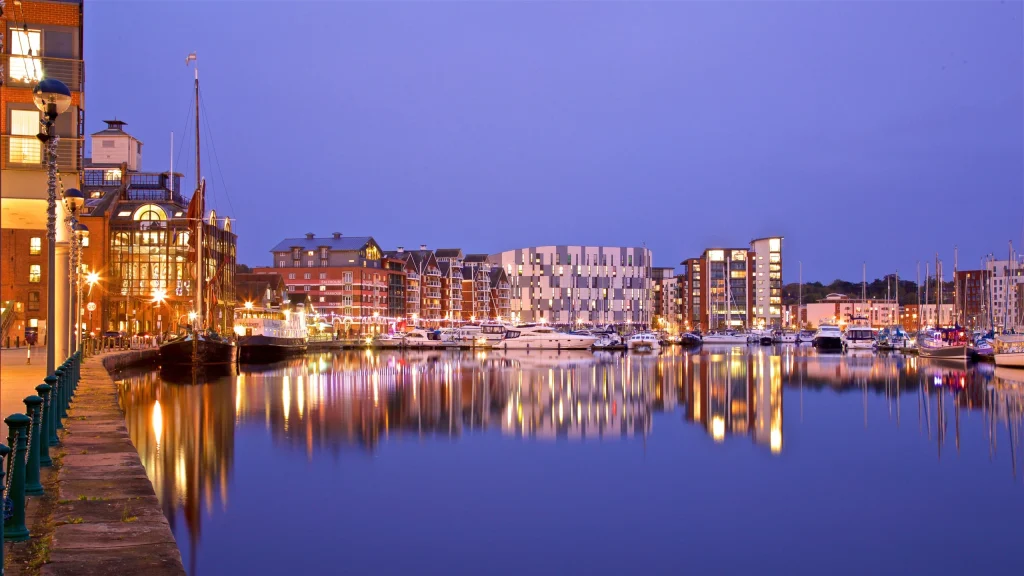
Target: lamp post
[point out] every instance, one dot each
(92, 278)
(78, 231)
(52, 98)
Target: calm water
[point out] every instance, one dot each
(723, 461)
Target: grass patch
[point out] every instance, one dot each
(128, 515)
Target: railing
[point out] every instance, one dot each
(150, 195)
(30, 436)
(102, 177)
(27, 71)
(28, 153)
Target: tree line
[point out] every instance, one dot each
(878, 289)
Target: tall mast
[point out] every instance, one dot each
(938, 292)
(897, 297)
(920, 311)
(200, 245)
(800, 295)
(926, 290)
(956, 287)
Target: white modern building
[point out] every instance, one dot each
(579, 285)
(1006, 286)
(767, 281)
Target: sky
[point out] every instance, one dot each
(870, 131)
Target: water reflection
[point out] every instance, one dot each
(327, 404)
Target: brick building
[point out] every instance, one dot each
(449, 260)
(690, 294)
(665, 298)
(40, 39)
(720, 289)
(345, 278)
(973, 305)
(476, 288)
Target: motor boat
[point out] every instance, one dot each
(690, 339)
(269, 334)
(643, 342)
(196, 348)
(725, 337)
(893, 338)
(386, 340)
(828, 337)
(766, 337)
(1009, 350)
(420, 338)
(859, 335)
(784, 337)
(805, 337)
(609, 341)
(543, 337)
(948, 343)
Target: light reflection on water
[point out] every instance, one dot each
(327, 405)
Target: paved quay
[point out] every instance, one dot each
(18, 379)
(106, 519)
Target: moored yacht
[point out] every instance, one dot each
(269, 334)
(420, 338)
(643, 342)
(1009, 350)
(828, 337)
(950, 343)
(859, 335)
(725, 337)
(543, 337)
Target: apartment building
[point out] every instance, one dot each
(571, 285)
(476, 288)
(767, 271)
(665, 299)
(38, 40)
(450, 261)
(1006, 292)
(345, 278)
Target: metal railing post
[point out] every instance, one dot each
(4, 455)
(43, 440)
(14, 529)
(51, 422)
(66, 397)
(58, 405)
(33, 487)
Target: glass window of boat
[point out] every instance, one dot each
(861, 334)
(493, 329)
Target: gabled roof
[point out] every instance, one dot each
(475, 258)
(497, 275)
(345, 243)
(448, 253)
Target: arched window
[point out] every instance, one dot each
(150, 212)
(213, 218)
(227, 224)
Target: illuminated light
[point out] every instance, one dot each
(286, 399)
(240, 330)
(92, 278)
(158, 423)
(192, 316)
(718, 428)
(776, 440)
(248, 305)
(159, 295)
(368, 340)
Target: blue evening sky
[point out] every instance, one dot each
(861, 131)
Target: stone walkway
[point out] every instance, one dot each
(107, 518)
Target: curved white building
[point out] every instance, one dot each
(579, 285)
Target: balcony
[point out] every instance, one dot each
(27, 71)
(28, 153)
(412, 276)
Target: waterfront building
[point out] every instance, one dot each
(665, 299)
(726, 285)
(450, 260)
(1006, 292)
(262, 290)
(139, 245)
(396, 274)
(344, 277)
(841, 309)
(411, 285)
(690, 294)
(571, 285)
(767, 295)
(972, 299)
(501, 293)
(913, 317)
(38, 39)
(476, 288)
(429, 273)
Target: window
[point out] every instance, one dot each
(281, 264)
(33, 301)
(306, 288)
(306, 276)
(291, 276)
(34, 273)
(309, 263)
(150, 212)
(35, 245)
(322, 299)
(630, 260)
(85, 241)
(347, 277)
(25, 148)
(323, 288)
(323, 275)
(24, 45)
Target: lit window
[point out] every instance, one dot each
(34, 273)
(323, 288)
(85, 241)
(124, 213)
(25, 148)
(149, 212)
(112, 174)
(24, 44)
(179, 214)
(35, 245)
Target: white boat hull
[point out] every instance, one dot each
(860, 344)
(534, 343)
(725, 339)
(1011, 359)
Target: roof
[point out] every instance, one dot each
(448, 253)
(344, 243)
(497, 273)
(473, 258)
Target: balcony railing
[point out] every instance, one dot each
(27, 71)
(146, 195)
(412, 276)
(28, 153)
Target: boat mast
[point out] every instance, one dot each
(920, 311)
(956, 287)
(1006, 296)
(200, 243)
(938, 292)
(800, 295)
(897, 297)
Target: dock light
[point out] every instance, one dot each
(248, 305)
(481, 340)
(239, 330)
(192, 316)
(415, 316)
(92, 278)
(159, 295)
(472, 318)
(368, 340)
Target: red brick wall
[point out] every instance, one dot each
(15, 261)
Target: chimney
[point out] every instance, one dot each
(337, 235)
(423, 246)
(309, 236)
(401, 249)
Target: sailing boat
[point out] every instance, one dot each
(199, 344)
(948, 343)
(1009, 347)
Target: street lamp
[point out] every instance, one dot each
(79, 231)
(52, 98)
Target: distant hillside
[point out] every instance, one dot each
(814, 291)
